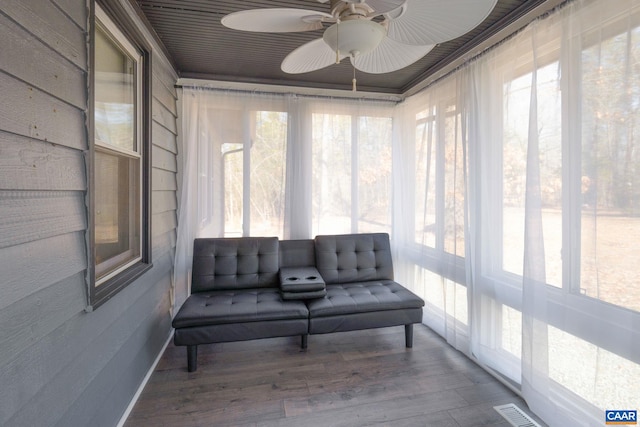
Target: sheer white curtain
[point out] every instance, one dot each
(268, 164)
(229, 137)
(518, 209)
(429, 206)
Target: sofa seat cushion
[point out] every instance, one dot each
(247, 305)
(362, 297)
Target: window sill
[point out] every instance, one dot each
(103, 293)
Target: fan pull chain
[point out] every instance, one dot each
(338, 42)
(353, 82)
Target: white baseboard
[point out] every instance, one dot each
(136, 396)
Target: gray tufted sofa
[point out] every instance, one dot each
(236, 295)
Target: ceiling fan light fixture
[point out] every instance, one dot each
(354, 37)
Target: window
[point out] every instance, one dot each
(439, 180)
(374, 174)
(517, 97)
(610, 167)
(274, 165)
(351, 173)
(425, 178)
(332, 173)
(255, 177)
(119, 161)
(249, 146)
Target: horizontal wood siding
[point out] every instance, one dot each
(30, 267)
(30, 59)
(29, 164)
(37, 215)
(163, 138)
(91, 368)
(51, 24)
(60, 365)
(28, 111)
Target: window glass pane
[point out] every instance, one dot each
(267, 178)
(425, 186)
(550, 145)
(517, 96)
(610, 181)
(457, 304)
(596, 375)
(454, 184)
(117, 211)
(511, 331)
(331, 193)
(115, 89)
(430, 287)
(374, 174)
(221, 164)
(444, 298)
(517, 99)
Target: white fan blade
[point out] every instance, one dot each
(309, 57)
(389, 56)
(427, 22)
(380, 6)
(277, 20)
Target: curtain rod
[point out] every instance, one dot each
(394, 100)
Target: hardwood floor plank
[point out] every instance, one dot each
(392, 410)
(345, 379)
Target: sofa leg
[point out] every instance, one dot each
(303, 343)
(408, 335)
(192, 358)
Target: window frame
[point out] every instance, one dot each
(116, 21)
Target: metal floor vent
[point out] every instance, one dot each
(515, 416)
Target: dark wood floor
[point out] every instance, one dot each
(345, 379)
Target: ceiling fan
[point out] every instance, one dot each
(378, 36)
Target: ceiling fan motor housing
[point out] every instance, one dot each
(342, 10)
(354, 37)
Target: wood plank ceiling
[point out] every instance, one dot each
(201, 47)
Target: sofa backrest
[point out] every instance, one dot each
(297, 253)
(234, 263)
(354, 257)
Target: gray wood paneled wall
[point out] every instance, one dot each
(60, 365)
